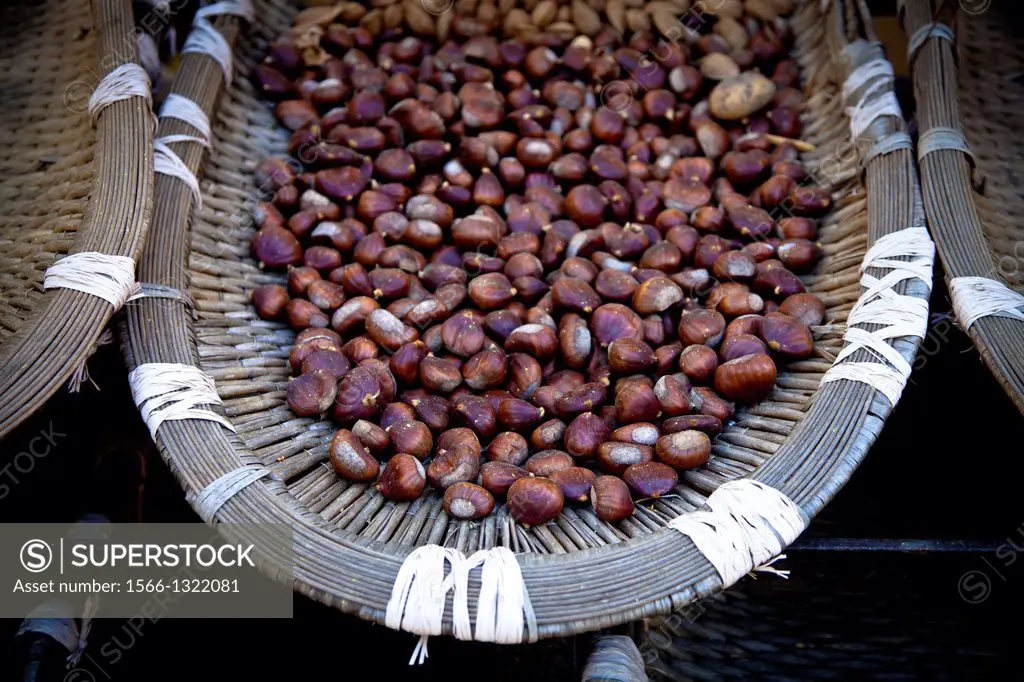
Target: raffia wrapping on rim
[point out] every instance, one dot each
(66, 186)
(974, 199)
(580, 573)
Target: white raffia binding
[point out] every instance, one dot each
(749, 524)
(419, 593)
(169, 391)
(111, 278)
(921, 35)
(211, 498)
(184, 109)
(418, 597)
(898, 314)
(877, 99)
(887, 144)
(978, 297)
(124, 82)
(205, 39)
(166, 162)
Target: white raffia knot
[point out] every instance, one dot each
(166, 162)
(978, 297)
(419, 594)
(126, 81)
(420, 591)
(897, 315)
(111, 278)
(184, 109)
(876, 99)
(749, 523)
(170, 392)
(205, 39)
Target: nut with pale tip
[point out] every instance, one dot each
(575, 483)
(351, 460)
(467, 501)
(497, 477)
(684, 450)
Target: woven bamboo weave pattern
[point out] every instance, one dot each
(805, 440)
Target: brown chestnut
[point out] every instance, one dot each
(533, 501)
(609, 496)
(467, 501)
(403, 479)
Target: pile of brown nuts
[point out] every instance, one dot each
(508, 284)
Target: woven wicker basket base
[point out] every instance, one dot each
(64, 185)
(975, 213)
(582, 574)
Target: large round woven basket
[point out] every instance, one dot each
(66, 185)
(967, 64)
(580, 574)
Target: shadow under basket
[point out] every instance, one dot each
(67, 185)
(969, 91)
(580, 574)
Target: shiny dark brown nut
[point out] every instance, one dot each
(684, 450)
(508, 447)
(656, 295)
(712, 426)
(616, 286)
(302, 314)
(457, 458)
(396, 412)
(546, 462)
(329, 360)
(672, 392)
(799, 255)
(575, 295)
(270, 301)
(795, 227)
(650, 479)
(635, 401)
(373, 437)
(432, 410)
(584, 435)
(609, 496)
(574, 340)
(533, 501)
(705, 327)
(358, 396)
(463, 333)
(524, 374)
(614, 457)
(706, 401)
(748, 379)
(805, 308)
(388, 331)
(774, 279)
(311, 394)
(548, 436)
(518, 414)
(350, 459)
(475, 413)
(786, 336)
(808, 201)
(640, 433)
(411, 437)
(630, 356)
(405, 363)
(360, 348)
(582, 399)
(352, 314)
(497, 477)
(467, 501)
(403, 479)
(440, 375)
(613, 321)
(737, 345)
(538, 340)
(486, 369)
(698, 363)
(276, 247)
(575, 482)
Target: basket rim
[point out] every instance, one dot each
(65, 326)
(950, 198)
(692, 576)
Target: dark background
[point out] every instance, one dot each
(910, 573)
